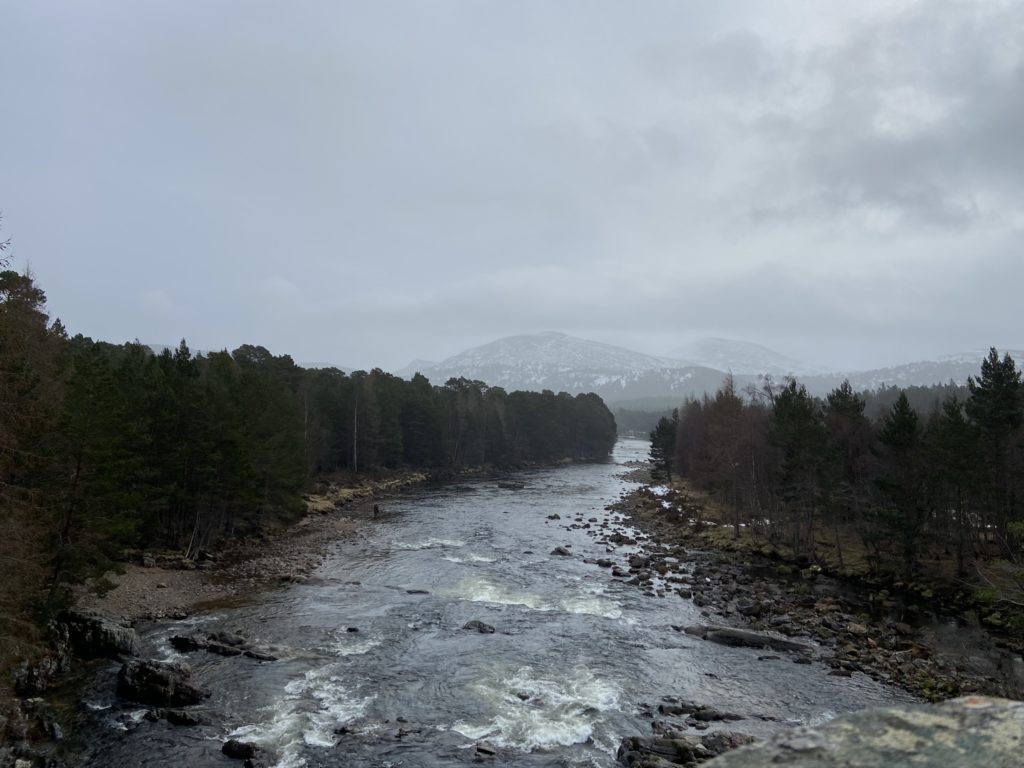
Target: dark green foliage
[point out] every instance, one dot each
(105, 447)
(996, 406)
(817, 473)
(663, 447)
(798, 434)
(902, 512)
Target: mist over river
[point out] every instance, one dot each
(560, 682)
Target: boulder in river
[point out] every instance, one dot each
(478, 626)
(744, 638)
(239, 750)
(221, 643)
(176, 716)
(561, 552)
(160, 683)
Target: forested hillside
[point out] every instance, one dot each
(906, 493)
(104, 447)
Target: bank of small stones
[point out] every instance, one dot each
(852, 631)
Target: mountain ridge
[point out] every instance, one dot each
(560, 362)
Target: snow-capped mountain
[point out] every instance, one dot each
(740, 357)
(565, 363)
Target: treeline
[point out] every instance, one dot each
(104, 447)
(900, 488)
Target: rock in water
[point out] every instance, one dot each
(239, 750)
(744, 638)
(970, 732)
(159, 683)
(479, 626)
(561, 552)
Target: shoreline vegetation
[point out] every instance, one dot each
(927, 501)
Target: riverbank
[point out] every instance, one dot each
(154, 585)
(159, 585)
(860, 628)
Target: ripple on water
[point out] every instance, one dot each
(431, 543)
(532, 711)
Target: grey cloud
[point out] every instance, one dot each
(372, 182)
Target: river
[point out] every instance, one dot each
(560, 682)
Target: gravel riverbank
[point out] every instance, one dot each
(853, 628)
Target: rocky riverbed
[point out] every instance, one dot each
(847, 628)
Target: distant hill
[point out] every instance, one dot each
(740, 357)
(635, 380)
(416, 366)
(955, 368)
(565, 363)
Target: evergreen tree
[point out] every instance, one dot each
(900, 480)
(847, 463)
(954, 469)
(663, 444)
(798, 434)
(996, 405)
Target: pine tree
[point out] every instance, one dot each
(996, 405)
(900, 479)
(847, 462)
(798, 434)
(663, 447)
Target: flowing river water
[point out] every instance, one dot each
(559, 683)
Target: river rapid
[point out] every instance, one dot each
(560, 682)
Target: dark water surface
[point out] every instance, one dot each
(558, 684)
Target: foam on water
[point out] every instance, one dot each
(352, 643)
(431, 543)
(311, 707)
(531, 711)
(590, 601)
(479, 590)
(472, 558)
(592, 606)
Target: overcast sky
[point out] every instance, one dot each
(370, 182)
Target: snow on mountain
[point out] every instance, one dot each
(740, 357)
(565, 363)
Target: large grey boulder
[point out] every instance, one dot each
(159, 683)
(970, 732)
(95, 636)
